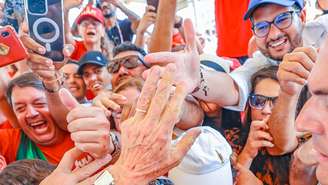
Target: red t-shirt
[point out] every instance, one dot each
(10, 140)
(79, 50)
(5, 125)
(233, 32)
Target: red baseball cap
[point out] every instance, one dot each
(91, 12)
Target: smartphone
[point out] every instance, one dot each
(46, 25)
(153, 3)
(11, 48)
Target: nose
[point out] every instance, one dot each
(274, 32)
(31, 112)
(309, 118)
(123, 71)
(267, 109)
(70, 80)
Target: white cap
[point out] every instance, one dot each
(207, 162)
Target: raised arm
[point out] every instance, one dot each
(148, 19)
(69, 4)
(161, 39)
(292, 74)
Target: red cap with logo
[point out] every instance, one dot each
(91, 12)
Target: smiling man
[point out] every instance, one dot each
(92, 68)
(38, 135)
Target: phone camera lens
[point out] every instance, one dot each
(5, 34)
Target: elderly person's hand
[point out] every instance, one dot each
(65, 174)
(147, 149)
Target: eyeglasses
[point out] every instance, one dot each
(281, 21)
(258, 101)
(129, 62)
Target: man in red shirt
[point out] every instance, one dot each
(39, 136)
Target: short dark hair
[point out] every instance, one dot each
(25, 80)
(128, 46)
(26, 172)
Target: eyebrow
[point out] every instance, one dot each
(38, 99)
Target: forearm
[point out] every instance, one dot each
(129, 13)
(244, 160)
(192, 116)
(67, 28)
(282, 125)
(57, 109)
(219, 88)
(161, 39)
(140, 39)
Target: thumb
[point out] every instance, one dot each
(68, 160)
(190, 34)
(186, 142)
(68, 99)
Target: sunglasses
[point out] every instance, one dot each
(129, 62)
(258, 101)
(281, 21)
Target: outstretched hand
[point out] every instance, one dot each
(187, 62)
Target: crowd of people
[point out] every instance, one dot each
(132, 106)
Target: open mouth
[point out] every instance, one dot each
(91, 33)
(278, 43)
(73, 88)
(96, 86)
(39, 127)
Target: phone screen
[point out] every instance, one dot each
(153, 3)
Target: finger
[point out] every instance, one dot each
(263, 135)
(96, 150)
(163, 91)
(150, 8)
(147, 93)
(185, 144)
(311, 52)
(90, 136)
(290, 77)
(68, 50)
(190, 35)
(88, 170)
(41, 60)
(100, 105)
(296, 68)
(87, 124)
(109, 104)
(263, 143)
(69, 159)
(259, 125)
(173, 110)
(68, 99)
(82, 112)
(161, 58)
(29, 43)
(301, 58)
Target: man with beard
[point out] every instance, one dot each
(277, 26)
(129, 61)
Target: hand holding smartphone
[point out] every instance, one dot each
(153, 3)
(11, 48)
(46, 26)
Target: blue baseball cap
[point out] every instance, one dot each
(92, 57)
(253, 4)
